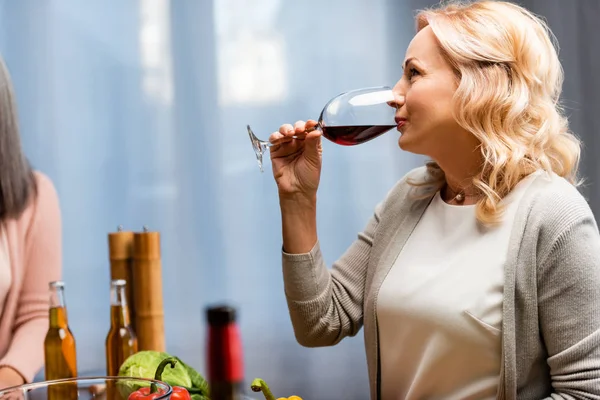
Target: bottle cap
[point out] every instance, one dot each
(118, 283)
(220, 315)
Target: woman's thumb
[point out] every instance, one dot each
(312, 145)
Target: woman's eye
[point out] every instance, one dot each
(413, 72)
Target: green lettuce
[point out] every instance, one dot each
(198, 381)
(143, 364)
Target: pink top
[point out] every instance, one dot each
(34, 244)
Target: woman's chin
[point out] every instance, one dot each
(404, 142)
(407, 143)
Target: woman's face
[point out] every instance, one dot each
(424, 100)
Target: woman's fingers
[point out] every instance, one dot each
(288, 140)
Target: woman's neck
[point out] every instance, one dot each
(460, 172)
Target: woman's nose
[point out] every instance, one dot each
(398, 101)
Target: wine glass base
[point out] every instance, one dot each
(259, 148)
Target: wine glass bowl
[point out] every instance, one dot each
(85, 388)
(358, 116)
(349, 119)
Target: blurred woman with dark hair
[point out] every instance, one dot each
(30, 249)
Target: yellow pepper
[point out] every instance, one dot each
(258, 385)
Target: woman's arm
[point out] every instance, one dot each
(569, 306)
(327, 306)
(42, 264)
(298, 223)
(10, 377)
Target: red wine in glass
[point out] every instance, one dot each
(349, 119)
(353, 135)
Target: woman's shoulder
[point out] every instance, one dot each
(403, 185)
(43, 204)
(46, 196)
(554, 194)
(415, 175)
(555, 205)
(401, 194)
(44, 185)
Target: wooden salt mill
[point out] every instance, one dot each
(147, 290)
(120, 249)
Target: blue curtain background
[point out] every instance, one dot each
(137, 111)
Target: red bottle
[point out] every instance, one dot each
(224, 354)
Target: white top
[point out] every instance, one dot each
(5, 272)
(439, 310)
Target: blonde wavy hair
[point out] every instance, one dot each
(509, 83)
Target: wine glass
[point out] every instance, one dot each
(86, 388)
(348, 119)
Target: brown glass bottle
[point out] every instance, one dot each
(224, 354)
(121, 341)
(60, 354)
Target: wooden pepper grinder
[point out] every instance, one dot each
(148, 296)
(120, 250)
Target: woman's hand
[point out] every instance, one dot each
(9, 377)
(297, 162)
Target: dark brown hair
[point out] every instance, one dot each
(17, 182)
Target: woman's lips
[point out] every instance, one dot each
(400, 122)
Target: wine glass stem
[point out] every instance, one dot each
(271, 144)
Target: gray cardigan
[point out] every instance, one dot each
(551, 306)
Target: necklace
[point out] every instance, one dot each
(459, 198)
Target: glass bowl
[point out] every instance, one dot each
(84, 388)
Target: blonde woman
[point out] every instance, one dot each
(478, 276)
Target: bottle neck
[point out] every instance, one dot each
(58, 308)
(57, 297)
(58, 318)
(119, 312)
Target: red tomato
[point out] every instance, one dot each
(179, 393)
